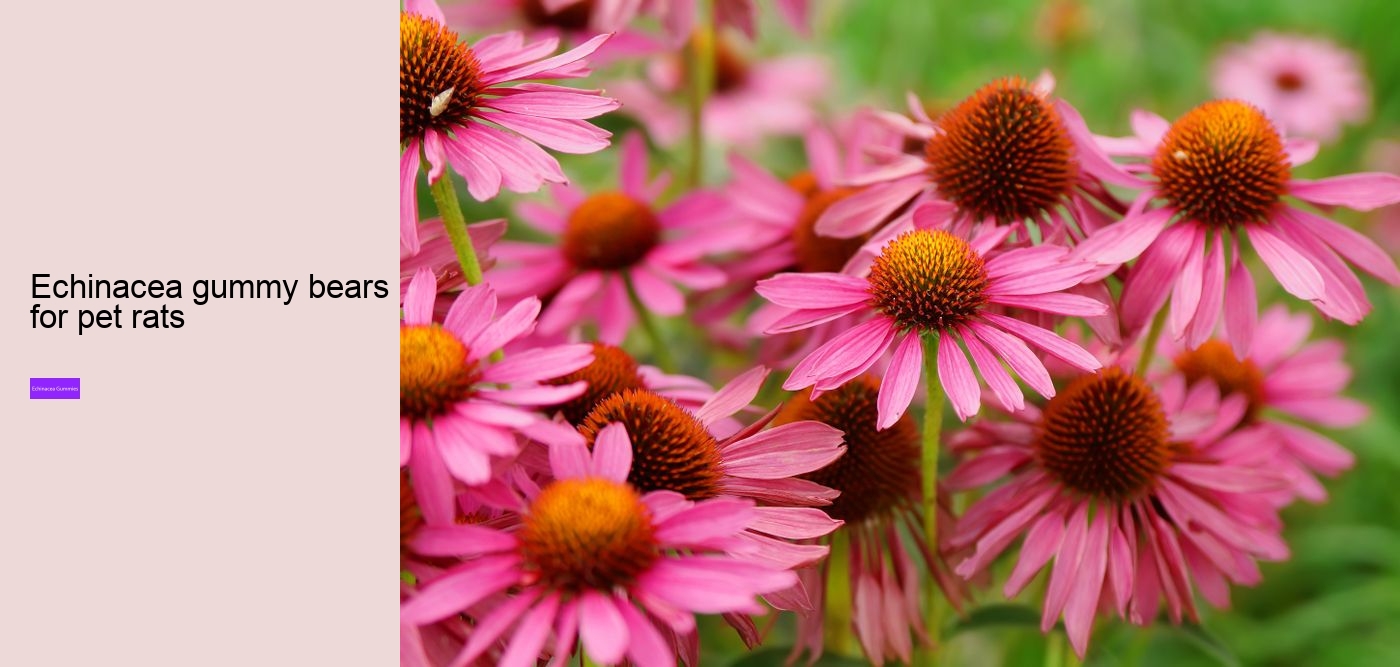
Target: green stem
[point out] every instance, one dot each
(933, 425)
(445, 196)
(838, 596)
(1054, 649)
(659, 349)
(1149, 344)
(700, 55)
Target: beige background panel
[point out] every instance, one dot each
(220, 495)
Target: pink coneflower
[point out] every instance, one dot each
(613, 239)
(573, 21)
(1311, 87)
(978, 167)
(1222, 171)
(879, 481)
(593, 558)
(456, 106)
(679, 16)
(1131, 492)
(780, 217)
(455, 412)
(752, 99)
(935, 283)
(1285, 375)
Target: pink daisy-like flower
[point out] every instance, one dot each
(1132, 493)
(1284, 375)
(457, 106)
(931, 282)
(678, 16)
(594, 559)
(1311, 87)
(977, 168)
(1221, 172)
(455, 411)
(610, 240)
(752, 99)
(879, 481)
(574, 21)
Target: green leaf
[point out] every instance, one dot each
(1208, 644)
(997, 615)
(776, 656)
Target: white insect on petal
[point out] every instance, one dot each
(440, 101)
(1180, 155)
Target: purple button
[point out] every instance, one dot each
(54, 388)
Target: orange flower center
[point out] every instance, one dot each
(1215, 360)
(587, 534)
(1002, 153)
(1105, 435)
(572, 17)
(671, 449)
(439, 77)
(1223, 163)
(435, 371)
(613, 371)
(610, 231)
(880, 470)
(928, 280)
(816, 253)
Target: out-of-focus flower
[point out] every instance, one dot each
(460, 104)
(573, 21)
(1284, 375)
(679, 16)
(1310, 87)
(878, 478)
(752, 99)
(594, 559)
(455, 410)
(935, 283)
(610, 240)
(1223, 171)
(1132, 492)
(978, 168)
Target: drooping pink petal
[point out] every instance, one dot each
(1041, 544)
(602, 628)
(1208, 308)
(1186, 289)
(495, 622)
(459, 588)
(956, 375)
(646, 647)
(853, 350)
(1047, 340)
(1084, 598)
(866, 209)
(1241, 309)
(1348, 243)
(1065, 573)
(1362, 192)
(612, 453)
(814, 290)
(1017, 355)
(1126, 239)
(461, 540)
(1000, 382)
(783, 451)
(418, 301)
(431, 481)
(901, 381)
(734, 396)
(530, 634)
(408, 197)
(1294, 272)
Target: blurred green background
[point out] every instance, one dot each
(1337, 600)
